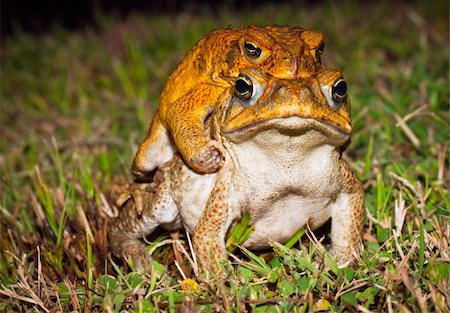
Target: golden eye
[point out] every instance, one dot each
(339, 90)
(244, 88)
(252, 50)
(319, 51)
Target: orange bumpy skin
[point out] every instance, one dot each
(206, 73)
(282, 140)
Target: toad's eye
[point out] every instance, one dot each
(339, 90)
(319, 51)
(336, 94)
(244, 88)
(252, 50)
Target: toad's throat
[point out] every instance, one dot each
(293, 126)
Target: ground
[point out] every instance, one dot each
(75, 104)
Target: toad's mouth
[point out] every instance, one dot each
(292, 126)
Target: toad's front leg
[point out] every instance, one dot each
(127, 229)
(187, 120)
(347, 218)
(211, 229)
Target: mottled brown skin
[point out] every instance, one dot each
(282, 165)
(208, 71)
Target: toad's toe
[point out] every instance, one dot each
(209, 160)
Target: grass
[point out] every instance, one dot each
(74, 106)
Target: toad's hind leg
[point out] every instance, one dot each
(127, 230)
(156, 149)
(347, 218)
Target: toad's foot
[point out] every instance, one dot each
(344, 256)
(135, 192)
(209, 158)
(133, 250)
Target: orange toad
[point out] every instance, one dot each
(205, 76)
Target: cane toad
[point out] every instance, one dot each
(283, 140)
(208, 70)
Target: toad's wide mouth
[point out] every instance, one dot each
(290, 126)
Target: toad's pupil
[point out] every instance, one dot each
(252, 50)
(242, 86)
(340, 89)
(250, 47)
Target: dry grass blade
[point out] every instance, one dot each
(194, 262)
(405, 259)
(72, 294)
(22, 290)
(413, 290)
(37, 207)
(84, 222)
(405, 182)
(408, 132)
(442, 154)
(400, 213)
(176, 244)
(363, 309)
(11, 293)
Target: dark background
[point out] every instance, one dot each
(37, 17)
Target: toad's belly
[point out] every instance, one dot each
(286, 217)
